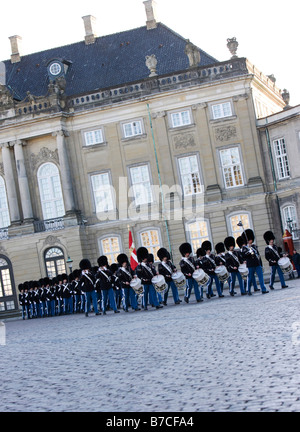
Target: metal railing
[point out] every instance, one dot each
(49, 225)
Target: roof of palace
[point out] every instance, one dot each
(110, 61)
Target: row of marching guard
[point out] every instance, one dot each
(118, 287)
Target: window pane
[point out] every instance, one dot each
(190, 175)
(198, 232)
(236, 230)
(150, 240)
(141, 185)
(50, 191)
(132, 129)
(111, 248)
(231, 166)
(102, 192)
(93, 137)
(281, 156)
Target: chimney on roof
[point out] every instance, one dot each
(89, 24)
(150, 6)
(15, 42)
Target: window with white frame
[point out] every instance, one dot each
(54, 262)
(93, 137)
(102, 192)
(181, 118)
(132, 129)
(282, 162)
(231, 167)
(150, 239)
(50, 191)
(198, 233)
(190, 175)
(235, 229)
(290, 220)
(141, 184)
(221, 110)
(111, 247)
(4, 212)
(7, 289)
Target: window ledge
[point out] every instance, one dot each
(133, 138)
(94, 146)
(183, 127)
(221, 120)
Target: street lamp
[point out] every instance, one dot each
(289, 222)
(70, 262)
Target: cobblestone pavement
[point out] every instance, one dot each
(228, 354)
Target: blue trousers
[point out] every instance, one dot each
(149, 292)
(280, 274)
(51, 307)
(174, 289)
(68, 305)
(108, 295)
(237, 275)
(90, 297)
(190, 284)
(214, 277)
(129, 294)
(251, 278)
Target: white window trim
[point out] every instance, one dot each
(93, 131)
(134, 135)
(222, 117)
(200, 172)
(53, 199)
(108, 172)
(241, 165)
(148, 229)
(236, 213)
(181, 125)
(132, 184)
(107, 236)
(279, 157)
(188, 234)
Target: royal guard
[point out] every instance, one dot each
(104, 281)
(233, 261)
(272, 255)
(87, 285)
(188, 266)
(126, 275)
(209, 266)
(167, 268)
(146, 273)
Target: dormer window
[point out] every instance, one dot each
(55, 69)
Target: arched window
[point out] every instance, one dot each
(233, 220)
(110, 247)
(290, 220)
(150, 239)
(198, 232)
(4, 213)
(55, 262)
(50, 191)
(8, 298)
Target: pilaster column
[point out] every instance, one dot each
(23, 180)
(10, 184)
(65, 171)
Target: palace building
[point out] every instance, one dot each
(88, 129)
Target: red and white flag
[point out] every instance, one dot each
(133, 257)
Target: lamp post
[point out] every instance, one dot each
(70, 262)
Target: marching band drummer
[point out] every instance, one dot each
(125, 275)
(188, 266)
(233, 261)
(240, 241)
(199, 264)
(209, 266)
(104, 281)
(87, 285)
(166, 268)
(273, 256)
(221, 261)
(146, 273)
(253, 261)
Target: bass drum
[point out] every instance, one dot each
(179, 279)
(201, 277)
(285, 265)
(222, 273)
(136, 285)
(159, 283)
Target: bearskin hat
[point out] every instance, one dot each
(113, 267)
(228, 242)
(59, 278)
(76, 273)
(85, 264)
(21, 287)
(102, 261)
(163, 253)
(26, 285)
(150, 258)
(206, 245)
(142, 253)
(185, 248)
(220, 247)
(41, 282)
(248, 234)
(240, 241)
(200, 252)
(121, 258)
(268, 235)
(47, 281)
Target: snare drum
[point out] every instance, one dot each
(159, 283)
(244, 271)
(201, 277)
(136, 285)
(285, 265)
(222, 273)
(179, 279)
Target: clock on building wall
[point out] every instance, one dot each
(57, 68)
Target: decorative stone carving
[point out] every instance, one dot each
(232, 45)
(199, 105)
(44, 155)
(240, 97)
(286, 97)
(184, 141)
(193, 53)
(6, 99)
(159, 114)
(51, 241)
(225, 133)
(151, 63)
